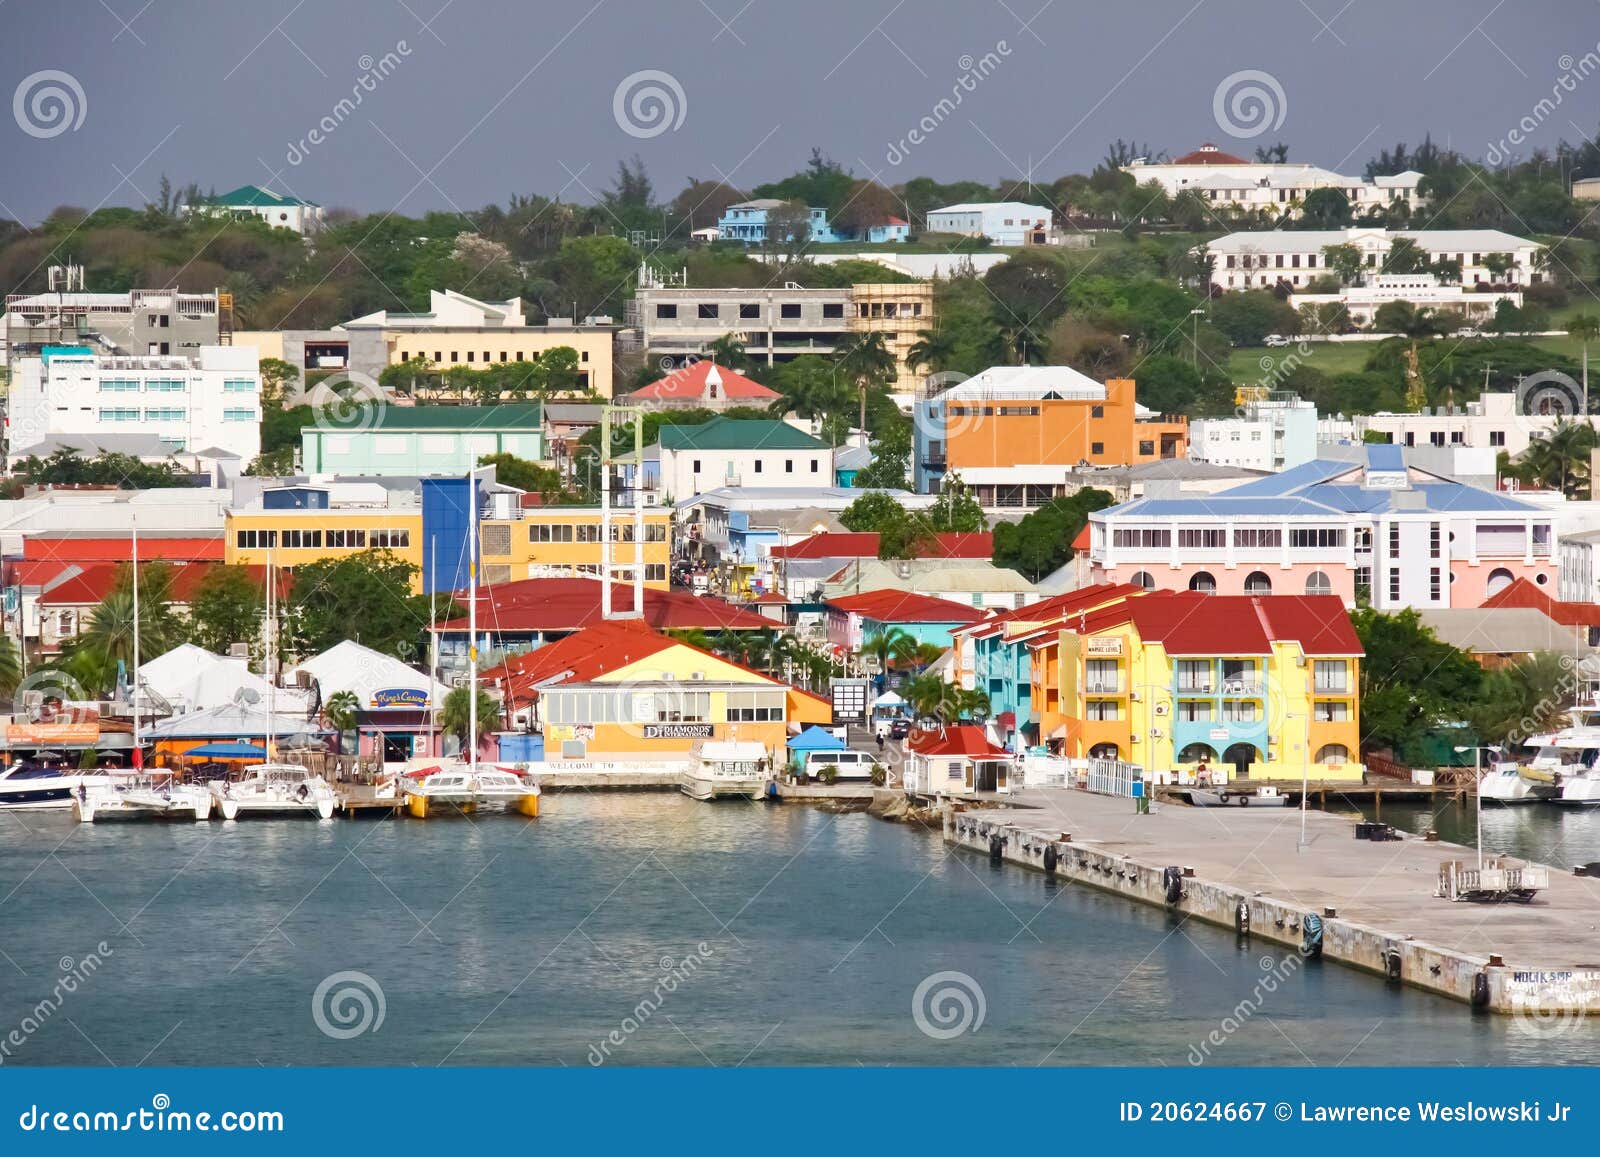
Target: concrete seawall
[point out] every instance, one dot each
(1369, 898)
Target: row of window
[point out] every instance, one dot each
(1215, 538)
(1255, 583)
(788, 466)
(165, 414)
(295, 539)
(590, 532)
(472, 356)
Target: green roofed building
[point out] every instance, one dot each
(738, 452)
(388, 440)
(280, 210)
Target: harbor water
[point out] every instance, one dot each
(647, 929)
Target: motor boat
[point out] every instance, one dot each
(726, 770)
(1504, 784)
(29, 786)
(273, 789)
(1266, 796)
(1568, 759)
(139, 795)
(468, 788)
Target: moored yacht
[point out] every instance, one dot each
(1567, 758)
(469, 787)
(27, 786)
(1504, 784)
(730, 769)
(273, 789)
(139, 795)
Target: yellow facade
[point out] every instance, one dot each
(297, 537)
(564, 541)
(663, 707)
(899, 311)
(1110, 693)
(479, 348)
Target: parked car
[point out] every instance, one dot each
(1277, 340)
(899, 729)
(846, 764)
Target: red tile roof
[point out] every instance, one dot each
(1522, 593)
(864, 544)
(888, 606)
(1081, 543)
(1209, 154)
(568, 604)
(963, 739)
(1192, 623)
(97, 580)
(1058, 608)
(690, 382)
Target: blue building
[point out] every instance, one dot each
(747, 222)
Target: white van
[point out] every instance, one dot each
(848, 764)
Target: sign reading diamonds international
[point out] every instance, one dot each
(677, 731)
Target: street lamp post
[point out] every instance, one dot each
(1477, 790)
(1305, 774)
(1194, 341)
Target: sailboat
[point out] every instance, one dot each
(273, 789)
(464, 785)
(139, 793)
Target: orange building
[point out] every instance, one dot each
(1013, 432)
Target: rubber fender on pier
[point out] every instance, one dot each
(997, 846)
(1241, 918)
(1051, 858)
(1311, 937)
(1172, 884)
(1480, 990)
(1391, 964)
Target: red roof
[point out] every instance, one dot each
(1058, 608)
(864, 544)
(97, 580)
(564, 605)
(1081, 543)
(888, 606)
(1524, 594)
(963, 739)
(692, 382)
(1192, 623)
(45, 556)
(1209, 154)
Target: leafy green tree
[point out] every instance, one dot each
(226, 607)
(455, 714)
(955, 510)
(1325, 209)
(891, 458)
(366, 596)
(1526, 698)
(1041, 541)
(1410, 680)
(1247, 317)
(277, 377)
(1405, 256)
(124, 471)
(1347, 261)
(545, 481)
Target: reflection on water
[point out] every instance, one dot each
(1541, 832)
(789, 936)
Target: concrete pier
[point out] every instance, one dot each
(1376, 901)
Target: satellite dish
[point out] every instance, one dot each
(248, 696)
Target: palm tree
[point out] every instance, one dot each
(1585, 327)
(1560, 459)
(933, 348)
(10, 665)
(340, 712)
(865, 359)
(455, 714)
(107, 639)
(728, 350)
(890, 645)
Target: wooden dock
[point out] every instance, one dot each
(1370, 905)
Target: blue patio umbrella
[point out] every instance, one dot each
(227, 751)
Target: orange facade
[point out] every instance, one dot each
(1059, 432)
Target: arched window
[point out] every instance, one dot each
(1143, 578)
(1318, 583)
(1240, 756)
(1333, 754)
(1105, 751)
(1257, 583)
(1499, 580)
(1203, 582)
(1196, 752)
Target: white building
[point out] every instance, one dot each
(737, 452)
(1265, 258)
(1271, 433)
(280, 210)
(1002, 222)
(1492, 422)
(210, 400)
(1227, 181)
(1422, 290)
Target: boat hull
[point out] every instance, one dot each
(696, 787)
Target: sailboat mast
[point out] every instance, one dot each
(271, 626)
(472, 626)
(138, 752)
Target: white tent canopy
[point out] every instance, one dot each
(236, 721)
(191, 678)
(376, 679)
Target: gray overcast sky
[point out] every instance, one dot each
(490, 99)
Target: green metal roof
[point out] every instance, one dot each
(255, 197)
(506, 416)
(738, 434)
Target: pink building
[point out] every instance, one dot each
(1375, 528)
